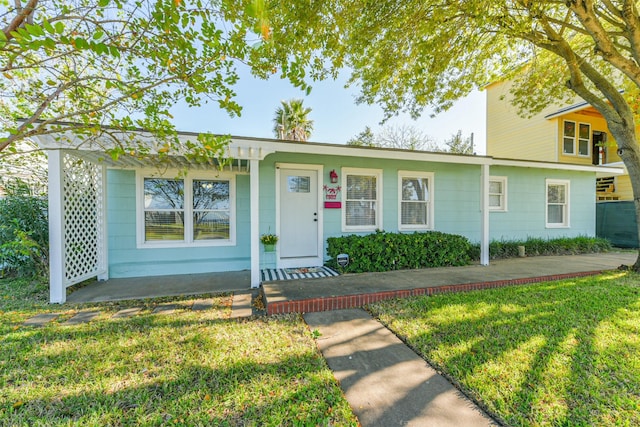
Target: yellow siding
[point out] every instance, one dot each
(514, 137)
(623, 188)
(597, 124)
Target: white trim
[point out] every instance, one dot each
(57, 288)
(569, 109)
(379, 199)
(430, 207)
(484, 213)
(503, 180)
(254, 208)
(259, 148)
(589, 141)
(188, 179)
(103, 232)
(567, 211)
(308, 261)
(575, 137)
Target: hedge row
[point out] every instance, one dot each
(382, 251)
(499, 249)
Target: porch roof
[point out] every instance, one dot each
(242, 149)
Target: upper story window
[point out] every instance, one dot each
(498, 193)
(576, 136)
(190, 211)
(415, 201)
(557, 214)
(362, 193)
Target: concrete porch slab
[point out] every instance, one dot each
(162, 286)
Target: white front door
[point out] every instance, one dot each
(299, 218)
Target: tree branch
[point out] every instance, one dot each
(630, 16)
(23, 15)
(584, 11)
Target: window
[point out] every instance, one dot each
(569, 137)
(163, 209)
(211, 210)
(185, 211)
(362, 195)
(298, 184)
(498, 193)
(415, 200)
(584, 139)
(557, 203)
(576, 134)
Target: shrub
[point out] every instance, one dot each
(24, 236)
(382, 251)
(500, 249)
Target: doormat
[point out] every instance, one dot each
(271, 274)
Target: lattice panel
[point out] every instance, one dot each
(82, 204)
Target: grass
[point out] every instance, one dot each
(552, 354)
(189, 368)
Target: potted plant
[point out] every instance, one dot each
(269, 241)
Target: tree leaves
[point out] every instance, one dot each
(113, 65)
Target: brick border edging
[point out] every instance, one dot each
(311, 305)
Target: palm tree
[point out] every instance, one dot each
(291, 121)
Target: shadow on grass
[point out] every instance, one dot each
(156, 370)
(562, 353)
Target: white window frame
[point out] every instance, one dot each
(503, 181)
(577, 139)
(188, 209)
(377, 173)
(567, 204)
(429, 176)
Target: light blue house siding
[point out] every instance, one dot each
(526, 204)
(126, 260)
(456, 197)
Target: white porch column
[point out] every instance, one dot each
(103, 235)
(484, 212)
(57, 289)
(254, 197)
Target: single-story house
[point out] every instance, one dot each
(129, 218)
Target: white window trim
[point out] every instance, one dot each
(567, 222)
(589, 141)
(575, 138)
(430, 219)
(188, 208)
(366, 172)
(504, 207)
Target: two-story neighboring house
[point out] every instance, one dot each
(575, 133)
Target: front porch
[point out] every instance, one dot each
(132, 288)
(80, 243)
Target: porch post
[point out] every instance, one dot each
(57, 290)
(254, 196)
(103, 236)
(484, 209)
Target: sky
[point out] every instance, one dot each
(336, 116)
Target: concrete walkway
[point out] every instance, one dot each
(356, 290)
(384, 381)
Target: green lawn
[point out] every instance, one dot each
(189, 368)
(562, 353)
